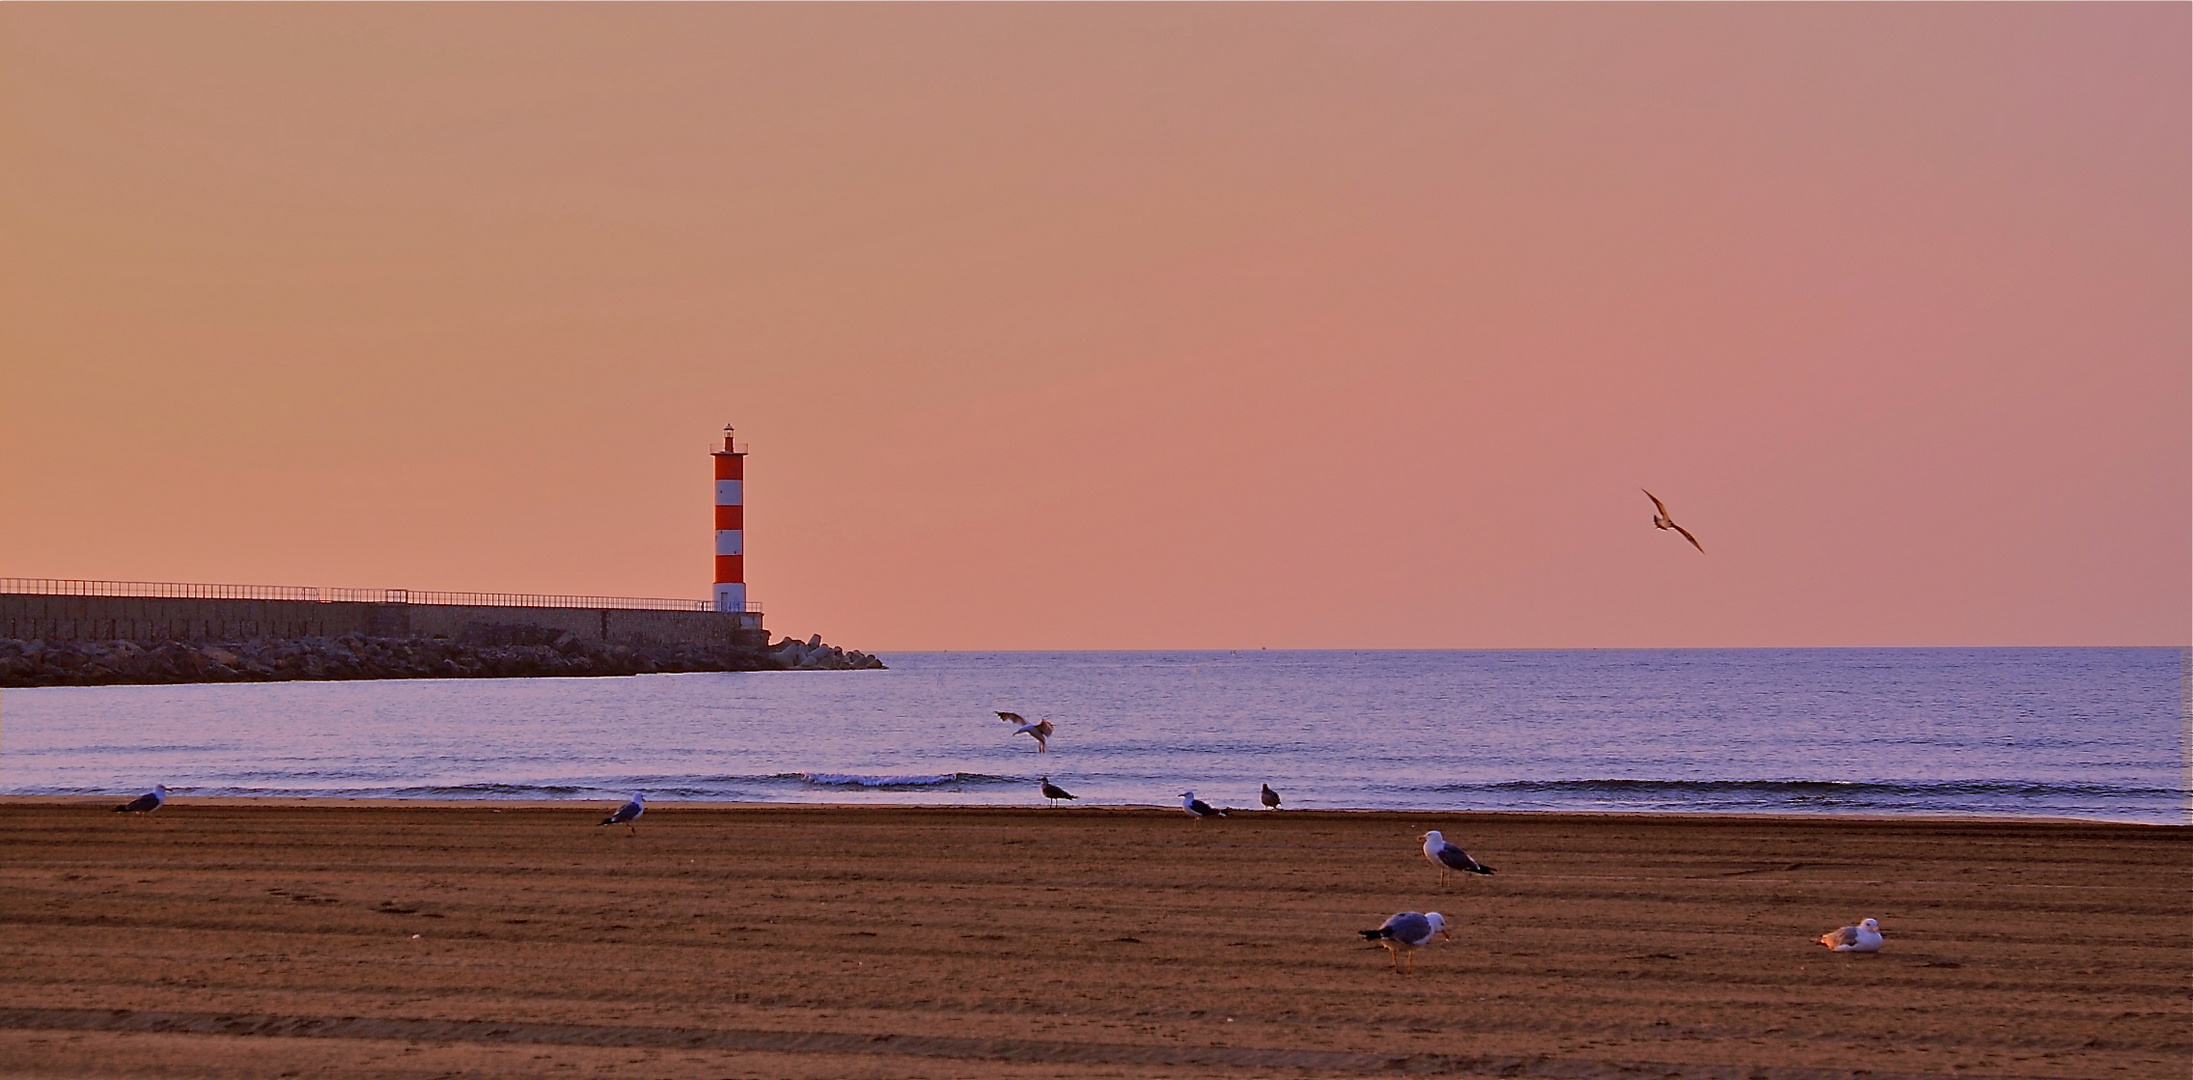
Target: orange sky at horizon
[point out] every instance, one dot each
(1122, 326)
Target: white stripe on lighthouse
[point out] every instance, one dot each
(730, 596)
(730, 541)
(730, 493)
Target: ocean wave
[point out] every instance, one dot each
(897, 783)
(1819, 788)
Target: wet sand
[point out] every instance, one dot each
(417, 940)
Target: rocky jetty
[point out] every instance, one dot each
(484, 653)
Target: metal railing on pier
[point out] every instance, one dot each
(198, 591)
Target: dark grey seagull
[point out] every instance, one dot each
(1447, 857)
(1054, 792)
(1406, 932)
(1661, 520)
(1270, 797)
(1197, 808)
(145, 803)
(628, 813)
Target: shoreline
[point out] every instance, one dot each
(656, 804)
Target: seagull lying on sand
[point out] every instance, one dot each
(1054, 792)
(1864, 937)
(1661, 520)
(628, 813)
(145, 803)
(1406, 932)
(1270, 797)
(1447, 857)
(1197, 808)
(1040, 729)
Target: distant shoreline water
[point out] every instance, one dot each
(2095, 734)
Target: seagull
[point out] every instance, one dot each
(1407, 931)
(1447, 857)
(1864, 937)
(1197, 808)
(1054, 792)
(145, 803)
(1271, 798)
(628, 813)
(1040, 729)
(1661, 520)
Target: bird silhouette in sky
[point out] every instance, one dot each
(1661, 520)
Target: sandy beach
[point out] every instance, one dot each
(234, 938)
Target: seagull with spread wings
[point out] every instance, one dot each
(1041, 729)
(1661, 520)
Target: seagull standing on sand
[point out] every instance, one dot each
(1447, 857)
(1197, 808)
(1864, 937)
(1406, 932)
(1040, 729)
(1661, 520)
(1270, 797)
(1054, 792)
(145, 803)
(628, 813)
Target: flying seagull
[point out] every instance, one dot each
(1661, 520)
(1270, 797)
(628, 813)
(1197, 808)
(145, 803)
(1447, 857)
(1407, 931)
(1040, 729)
(1864, 937)
(1054, 792)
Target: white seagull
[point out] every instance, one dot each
(628, 813)
(1041, 729)
(1864, 937)
(1447, 857)
(1407, 931)
(1197, 808)
(145, 803)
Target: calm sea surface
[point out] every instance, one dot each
(2090, 733)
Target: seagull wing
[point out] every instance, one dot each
(1656, 503)
(1843, 938)
(1459, 859)
(1012, 718)
(1408, 928)
(1687, 536)
(140, 804)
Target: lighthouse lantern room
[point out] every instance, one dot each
(730, 526)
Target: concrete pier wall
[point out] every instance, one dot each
(42, 617)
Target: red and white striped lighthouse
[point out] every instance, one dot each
(730, 526)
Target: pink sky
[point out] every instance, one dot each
(1125, 326)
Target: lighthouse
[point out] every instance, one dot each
(730, 526)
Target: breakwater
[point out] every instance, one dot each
(51, 639)
(108, 663)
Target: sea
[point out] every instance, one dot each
(2088, 733)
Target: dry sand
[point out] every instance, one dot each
(413, 940)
